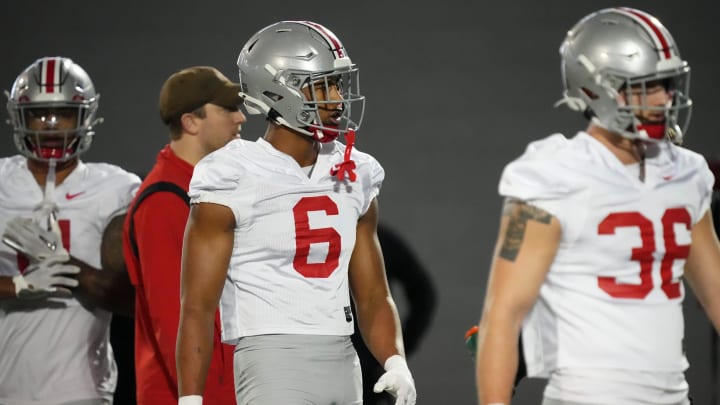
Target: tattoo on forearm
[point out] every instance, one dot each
(519, 213)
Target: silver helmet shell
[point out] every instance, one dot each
(283, 58)
(52, 83)
(615, 49)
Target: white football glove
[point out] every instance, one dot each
(398, 381)
(38, 244)
(48, 278)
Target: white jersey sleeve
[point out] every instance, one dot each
(696, 166)
(373, 180)
(116, 199)
(533, 175)
(214, 179)
(539, 178)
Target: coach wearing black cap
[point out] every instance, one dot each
(200, 107)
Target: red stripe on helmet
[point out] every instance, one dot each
(653, 27)
(50, 76)
(334, 42)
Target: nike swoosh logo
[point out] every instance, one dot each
(667, 178)
(71, 196)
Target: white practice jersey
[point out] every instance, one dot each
(294, 235)
(612, 298)
(54, 351)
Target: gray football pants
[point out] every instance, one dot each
(549, 401)
(297, 370)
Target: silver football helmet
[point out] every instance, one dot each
(613, 51)
(284, 59)
(49, 90)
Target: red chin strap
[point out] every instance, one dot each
(654, 131)
(325, 135)
(347, 166)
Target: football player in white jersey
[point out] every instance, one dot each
(285, 228)
(598, 231)
(61, 221)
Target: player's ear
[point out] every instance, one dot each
(190, 123)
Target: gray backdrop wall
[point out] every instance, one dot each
(455, 89)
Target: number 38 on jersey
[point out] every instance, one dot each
(645, 254)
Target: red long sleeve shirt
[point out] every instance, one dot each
(159, 228)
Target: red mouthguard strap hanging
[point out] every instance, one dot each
(348, 165)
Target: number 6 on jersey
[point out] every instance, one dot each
(305, 236)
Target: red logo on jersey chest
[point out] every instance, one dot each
(71, 196)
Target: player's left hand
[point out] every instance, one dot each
(28, 237)
(46, 279)
(398, 381)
